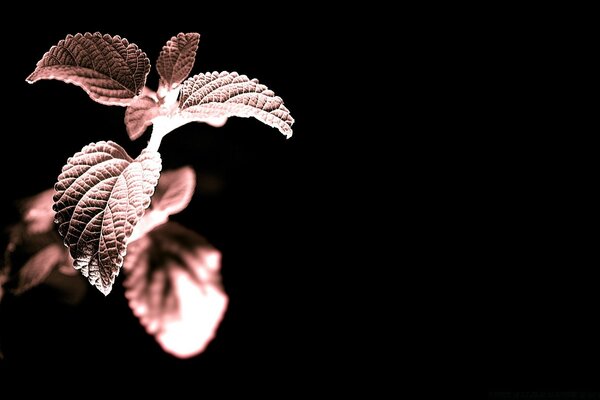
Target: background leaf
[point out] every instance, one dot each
(173, 285)
(37, 213)
(39, 266)
(139, 114)
(177, 58)
(175, 190)
(35, 250)
(173, 194)
(33, 233)
(110, 69)
(100, 196)
(225, 94)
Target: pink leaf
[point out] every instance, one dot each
(110, 69)
(101, 194)
(34, 250)
(37, 213)
(206, 97)
(175, 190)
(173, 194)
(39, 266)
(177, 58)
(139, 115)
(173, 286)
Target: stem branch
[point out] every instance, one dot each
(160, 128)
(155, 140)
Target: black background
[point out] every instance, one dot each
(263, 219)
(277, 218)
(535, 209)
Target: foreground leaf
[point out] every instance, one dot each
(110, 69)
(209, 96)
(173, 285)
(139, 115)
(177, 58)
(101, 194)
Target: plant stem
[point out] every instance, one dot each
(155, 140)
(162, 125)
(160, 128)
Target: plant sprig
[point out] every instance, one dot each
(102, 192)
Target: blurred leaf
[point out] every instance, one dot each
(37, 213)
(101, 194)
(172, 195)
(173, 285)
(67, 268)
(32, 234)
(174, 191)
(35, 252)
(39, 267)
(67, 288)
(110, 69)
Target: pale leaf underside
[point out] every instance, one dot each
(110, 69)
(139, 115)
(100, 196)
(172, 283)
(175, 190)
(177, 58)
(173, 194)
(225, 94)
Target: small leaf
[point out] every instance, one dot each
(110, 69)
(177, 58)
(173, 286)
(175, 190)
(37, 213)
(39, 267)
(139, 115)
(173, 194)
(101, 194)
(208, 96)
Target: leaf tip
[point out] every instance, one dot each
(104, 290)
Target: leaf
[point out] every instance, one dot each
(37, 213)
(173, 286)
(208, 96)
(139, 115)
(101, 194)
(110, 69)
(177, 58)
(175, 190)
(25, 241)
(39, 267)
(173, 194)
(34, 252)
